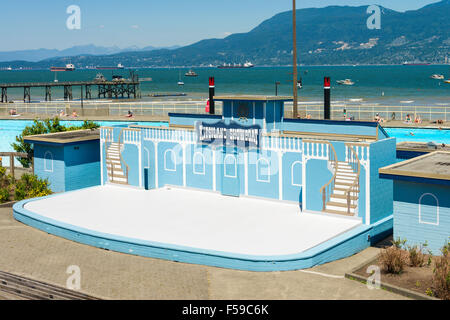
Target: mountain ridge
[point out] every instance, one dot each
(330, 35)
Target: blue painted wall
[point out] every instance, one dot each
(382, 154)
(70, 166)
(49, 164)
(317, 175)
(433, 226)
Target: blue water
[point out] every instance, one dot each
(9, 129)
(397, 83)
(420, 135)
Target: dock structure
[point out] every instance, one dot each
(106, 89)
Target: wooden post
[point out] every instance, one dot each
(294, 31)
(11, 166)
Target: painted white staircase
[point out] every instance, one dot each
(113, 164)
(345, 179)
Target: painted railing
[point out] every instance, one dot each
(361, 149)
(131, 136)
(317, 149)
(169, 135)
(355, 164)
(281, 143)
(107, 133)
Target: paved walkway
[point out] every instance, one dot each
(35, 254)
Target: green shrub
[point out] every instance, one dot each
(30, 186)
(43, 127)
(4, 195)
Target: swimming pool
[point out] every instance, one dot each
(9, 129)
(420, 135)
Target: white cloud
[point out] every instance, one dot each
(135, 26)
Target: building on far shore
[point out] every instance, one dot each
(422, 199)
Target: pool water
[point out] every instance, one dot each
(9, 129)
(420, 135)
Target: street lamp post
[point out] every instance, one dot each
(294, 31)
(277, 83)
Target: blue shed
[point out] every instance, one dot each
(69, 160)
(422, 199)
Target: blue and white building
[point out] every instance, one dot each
(422, 199)
(220, 174)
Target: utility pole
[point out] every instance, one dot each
(294, 31)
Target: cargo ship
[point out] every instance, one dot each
(118, 67)
(236, 66)
(416, 63)
(68, 67)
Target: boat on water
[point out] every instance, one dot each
(118, 67)
(68, 67)
(407, 63)
(447, 81)
(180, 82)
(346, 82)
(437, 77)
(191, 73)
(236, 66)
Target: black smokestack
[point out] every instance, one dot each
(212, 89)
(327, 98)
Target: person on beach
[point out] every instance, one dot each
(74, 114)
(13, 112)
(62, 113)
(408, 118)
(418, 119)
(130, 114)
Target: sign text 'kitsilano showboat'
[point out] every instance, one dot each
(221, 133)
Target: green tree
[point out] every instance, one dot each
(43, 127)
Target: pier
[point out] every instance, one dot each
(106, 89)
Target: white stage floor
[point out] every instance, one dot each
(197, 219)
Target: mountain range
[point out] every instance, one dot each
(36, 55)
(326, 36)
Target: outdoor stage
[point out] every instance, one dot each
(196, 227)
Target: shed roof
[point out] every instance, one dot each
(65, 137)
(435, 165)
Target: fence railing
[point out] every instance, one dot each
(11, 156)
(160, 108)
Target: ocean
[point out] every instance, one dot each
(384, 85)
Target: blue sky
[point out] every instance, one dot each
(32, 24)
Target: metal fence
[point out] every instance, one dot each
(369, 112)
(162, 108)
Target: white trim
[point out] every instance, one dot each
(156, 165)
(258, 179)
(214, 169)
(280, 175)
(246, 155)
(264, 119)
(148, 157)
(183, 146)
(101, 161)
(194, 163)
(292, 174)
(140, 164)
(367, 192)
(225, 166)
(437, 210)
(174, 161)
(46, 160)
